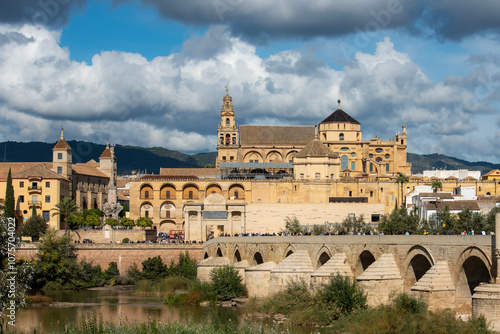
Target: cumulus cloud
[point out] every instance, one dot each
(174, 101)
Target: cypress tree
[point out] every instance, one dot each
(9, 198)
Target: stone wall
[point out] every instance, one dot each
(269, 218)
(124, 254)
(107, 236)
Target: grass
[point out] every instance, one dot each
(163, 286)
(92, 324)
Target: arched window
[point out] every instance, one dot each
(227, 121)
(228, 139)
(317, 176)
(344, 162)
(341, 136)
(234, 141)
(221, 140)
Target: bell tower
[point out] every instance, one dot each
(227, 133)
(61, 157)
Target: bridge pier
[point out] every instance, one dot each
(486, 298)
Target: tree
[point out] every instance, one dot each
(436, 184)
(76, 219)
(65, 208)
(56, 260)
(10, 202)
(92, 220)
(126, 222)
(34, 227)
(292, 226)
(144, 222)
(111, 222)
(402, 180)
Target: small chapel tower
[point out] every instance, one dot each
(61, 157)
(227, 133)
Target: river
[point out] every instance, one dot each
(124, 305)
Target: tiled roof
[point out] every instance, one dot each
(17, 167)
(169, 177)
(339, 116)
(315, 148)
(91, 163)
(62, 144)
(438, 195)
(86, 170)
(454, 205)
(39, 171)
(495, 172)
(106, 153)
(275, 135)
(182, 172)
(489, 198)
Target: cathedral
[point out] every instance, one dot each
(332, 150)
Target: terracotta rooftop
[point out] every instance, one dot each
(275, 135)
(488, 198)
(315, 148)
(38, 171)
(454, 205)
(495, 172)
(438, 195)
(62, 144)
(17, 167)
(87, 170)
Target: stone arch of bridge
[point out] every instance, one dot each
(323, 255)
(364, 260)
(417, 262)
(236, 255)
(219, 251)
(257, 258)
(473, 267)
(288, 251)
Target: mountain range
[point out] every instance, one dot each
(150, 159)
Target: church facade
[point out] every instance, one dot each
(277, 148)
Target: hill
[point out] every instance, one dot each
(150, 159)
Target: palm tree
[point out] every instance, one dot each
(402, 179)
(66, 207)
(436, 184)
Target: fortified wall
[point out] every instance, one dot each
(124, 254)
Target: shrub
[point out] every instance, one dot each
(125, 240)
(406, 303)
(186, 267)
(112, 271)
(343, 293)
(227, 283)
(154, 268)
(133, 273)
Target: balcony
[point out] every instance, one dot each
(34, 190)
(35, 203)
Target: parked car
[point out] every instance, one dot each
(87, 241)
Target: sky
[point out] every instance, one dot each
(154, 72)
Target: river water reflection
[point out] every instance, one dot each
(126, 306)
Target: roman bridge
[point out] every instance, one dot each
(444, 269)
